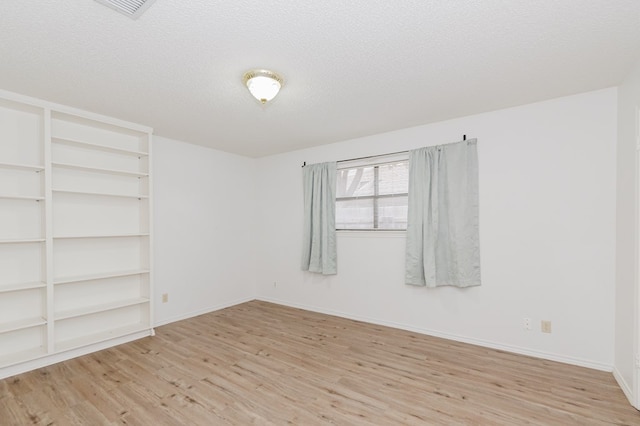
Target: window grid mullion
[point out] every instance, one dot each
(367, 197)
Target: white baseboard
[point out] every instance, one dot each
(203, 311)
(464, 339)
(46, 360)
(626, 387)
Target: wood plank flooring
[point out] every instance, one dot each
(260, 363)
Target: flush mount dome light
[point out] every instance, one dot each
(264, 85)
(132, 8)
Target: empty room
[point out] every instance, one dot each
(330, 212)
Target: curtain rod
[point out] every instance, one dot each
(464, 138)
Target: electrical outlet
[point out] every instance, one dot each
(545, 326)
(527, 324)
(165, 297)
(638, 361)
(275, 284)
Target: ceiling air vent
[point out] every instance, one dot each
(132, 8)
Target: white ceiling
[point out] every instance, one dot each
(351, 67)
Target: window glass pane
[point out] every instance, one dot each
(380, 190)
(354, 214)
(393, 178)
(356, 182)
(392, 212)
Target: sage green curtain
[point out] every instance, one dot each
(443, 246)
(319, 234)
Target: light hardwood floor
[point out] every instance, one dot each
(260, 363)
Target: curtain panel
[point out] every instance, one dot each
(319, 253)
(443, 246)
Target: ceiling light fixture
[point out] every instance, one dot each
(264, 85)
(132, 8)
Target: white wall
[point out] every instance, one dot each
(627, 314)
(547, 229)
(204, 211)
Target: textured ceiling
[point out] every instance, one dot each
(351, 68)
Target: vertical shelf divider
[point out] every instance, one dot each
(150, 228)
(48, 231)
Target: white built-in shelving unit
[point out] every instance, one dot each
(75, 232)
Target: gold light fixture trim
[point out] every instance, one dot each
(264, 85)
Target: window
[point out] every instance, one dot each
(372, 194)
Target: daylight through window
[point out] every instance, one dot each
(373, 196)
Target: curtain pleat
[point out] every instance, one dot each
(443, 247)
(319, 234)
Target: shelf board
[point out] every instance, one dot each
(92, 277)
(88, 310)
(99, 147)
(21, 324)
(102, 336)
(99, 170)
(6, 288)
(102, 194)
(21, 197)
(21, 167)
(77, 237)
(22, 356)
(22, 240)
